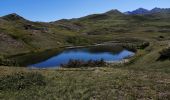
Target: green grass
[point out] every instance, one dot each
(143, 78)
(19, 81)
(97, 83)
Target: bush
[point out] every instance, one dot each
(144, 45)
(77, 40)
(134, 47)
(1, 58)
(19, 81)
(81, 63)
(161, 37)
(130, 47)
(165, 53)
(7, 62)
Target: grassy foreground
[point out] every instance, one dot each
(145, 78)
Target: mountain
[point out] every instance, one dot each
(13, 17)
(103, 16)
(160, 10)
(138, 11)
(18, 35)
(156, 10)
(114, 12)
(142, 11)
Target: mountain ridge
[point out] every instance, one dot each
(142, 11)
(12, 17)
(139, 11)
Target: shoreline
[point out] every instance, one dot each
(123, 61)
(72, 47)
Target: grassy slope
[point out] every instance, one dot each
(16, 39)
(100, 27)
(144, 78)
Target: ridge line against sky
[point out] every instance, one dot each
(52, 10)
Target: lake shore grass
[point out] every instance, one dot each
(142, 78)
(20, 59)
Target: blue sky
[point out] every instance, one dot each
(51, 10)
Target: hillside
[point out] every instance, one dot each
(19, 35)
(144, 77)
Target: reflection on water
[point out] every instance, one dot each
(108, 53)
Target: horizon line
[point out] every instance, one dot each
(84, 15)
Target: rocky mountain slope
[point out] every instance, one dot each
(18, 35)
(138, 11)
(142, 11)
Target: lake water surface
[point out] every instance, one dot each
(107, 53)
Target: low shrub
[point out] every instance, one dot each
(161, 37)
(1, 58)
(131, 47)
(19, 81)
(107, 30)
(7, 62)
(165, 54)
(143, 45)
(81, 63)
(134, 47)
(164, 31)
(77, 40)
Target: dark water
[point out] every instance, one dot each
(108, 53)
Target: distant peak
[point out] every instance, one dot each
(138, 11)
(156, 8)
(13, 17)
(141, 10)
(14, 14)
(113, 11)
(160, 10)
